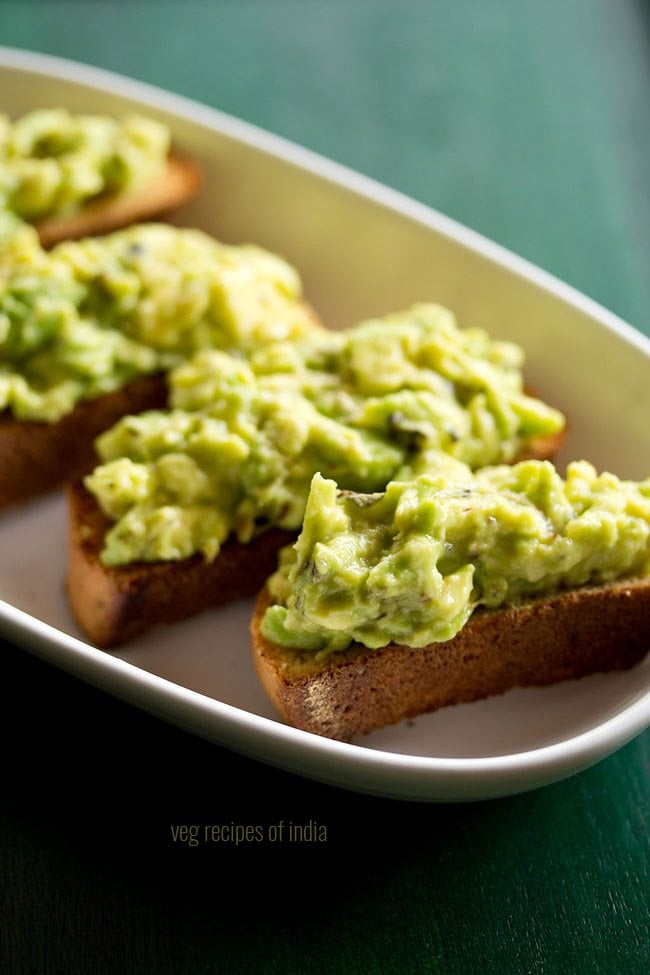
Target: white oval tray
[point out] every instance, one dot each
(361, 249)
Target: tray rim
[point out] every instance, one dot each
(281, 745)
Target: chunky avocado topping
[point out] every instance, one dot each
(179, 482)
(314, 404)
(90, 315)
(411, 564)
(420, 379)
(53, 162)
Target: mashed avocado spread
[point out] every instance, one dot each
(239, 448)
(90, 315)
(52, 162)
(411, 564)
(417, 377)
(180, 481)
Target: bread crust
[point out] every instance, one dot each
(37, 457)
(177, 184)
(567, 635)
(113, 604)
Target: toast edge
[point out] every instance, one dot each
(564, 636)
(37, 457)
(113, 604)
(180, 181)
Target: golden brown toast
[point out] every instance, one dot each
(543, 641)
(108, 602)
(177, 185)
(38, 457)
(112, 604)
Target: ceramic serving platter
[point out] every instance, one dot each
(362, 250)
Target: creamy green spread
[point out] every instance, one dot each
(411, 564)
(53, 162)
(295, 408)
(180, 481)
(90, 315)
(428, 384)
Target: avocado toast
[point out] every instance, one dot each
(452, 588)
(89, 329)
(235, 454)
(77, 175)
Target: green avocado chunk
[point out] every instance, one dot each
(410, 565)
(244, 438)
(420, 379)
(89, 316)
(52, 162)
(180, 481)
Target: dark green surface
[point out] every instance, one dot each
(529, 122)
(552, 881)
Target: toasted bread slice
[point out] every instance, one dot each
(178, 184)
(38, 457)
(543, 641)
(112, 604)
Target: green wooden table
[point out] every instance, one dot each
(528, 122)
